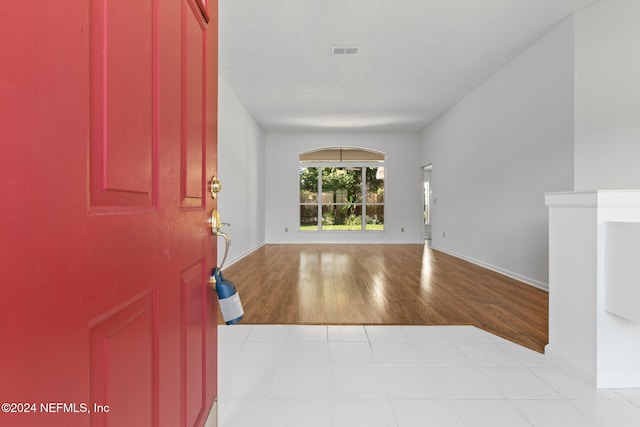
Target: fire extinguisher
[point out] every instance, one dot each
(230, 304)
(228, 297)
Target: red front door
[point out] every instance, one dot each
(108, 116)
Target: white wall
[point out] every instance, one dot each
(403, 196)
(607, 146)
(497, 152)
(607, 102)
(241, 172)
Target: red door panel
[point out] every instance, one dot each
(194, 71)
(124, 61)
(123, 355)
(193, 345)
(108, 135)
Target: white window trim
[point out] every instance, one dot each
(349, 164)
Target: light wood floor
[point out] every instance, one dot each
(385, 284)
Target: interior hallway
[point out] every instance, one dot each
(399, 284)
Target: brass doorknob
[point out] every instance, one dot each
(215, 223)
(214, 186)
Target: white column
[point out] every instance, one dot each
(585, 244)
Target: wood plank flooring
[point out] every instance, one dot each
(407, 284)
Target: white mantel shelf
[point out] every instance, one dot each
(593, 199)
(586, 264)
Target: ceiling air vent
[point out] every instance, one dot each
(345, 50)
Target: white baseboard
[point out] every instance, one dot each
(516, 276)
(571, 367)
(618, 381)
(596, 380)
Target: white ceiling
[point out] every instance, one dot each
(417, 58)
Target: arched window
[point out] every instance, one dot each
(342, 189)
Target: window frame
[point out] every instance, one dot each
(363, 165)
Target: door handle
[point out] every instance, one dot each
(216, 225)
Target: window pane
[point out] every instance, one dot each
(341, 185)
(341, 217)
(328, 215)
(308, 185)
(352, 215)
(339, 195)
(308, 217)
(375, 185)
(375, 217)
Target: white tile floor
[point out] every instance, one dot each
(304, 376)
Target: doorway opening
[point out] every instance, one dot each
(426, 202)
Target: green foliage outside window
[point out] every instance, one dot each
(341, 203)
